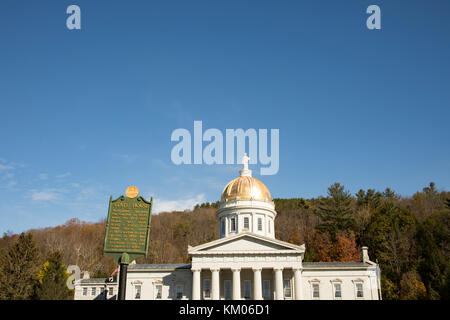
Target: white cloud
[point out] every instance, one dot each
(7, 176)
(127, 158)
(43, 176)
(11, 184)
(45, 195)
(161, 205)
(4, 167)
(64, 175)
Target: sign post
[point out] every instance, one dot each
(127, 231)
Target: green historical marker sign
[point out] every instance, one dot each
(128, 227)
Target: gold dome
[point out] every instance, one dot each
(246, 188)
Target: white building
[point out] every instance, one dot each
(246, 262)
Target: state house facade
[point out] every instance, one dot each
(246, 262)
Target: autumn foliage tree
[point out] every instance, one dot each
(411, 287)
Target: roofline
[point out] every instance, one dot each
(277, 252)
(335, 266)
(159, 269)
(170, 267)
(195, 249)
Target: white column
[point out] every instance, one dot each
(236, 284)
(196, 284)
(257, 288)
(215, 290)
(297, 283)
(279, 283)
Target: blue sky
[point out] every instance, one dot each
(86, 113)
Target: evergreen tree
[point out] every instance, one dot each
(53, 278)
(390, 194)
(433, 237)
(390, 236)
(336, 211)
(431, 190)
(18, 270)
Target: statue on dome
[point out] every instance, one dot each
(245, 160)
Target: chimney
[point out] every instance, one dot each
(364, 254)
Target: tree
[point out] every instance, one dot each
(8, 239)
(53, 278)
(335, 211)
(370, 199)
(367, 203)
(389, 289)
(390, 235)
(390, 194)
(343, 249)
(411, 287)
(433, 237)
(431, 190)
(18, 270)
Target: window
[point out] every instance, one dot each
(111, 291)
(222, 226)
(207, 288)
(93, 291)
(247, 289)
(233, 224)
(259, 224)
(266, 289)
(268, 225)
(287, 288)
(137, 292)
(227, 286)
(158, 291)
(359, 290)
(246, 223)
(85, 291)
(337, 291)
(179, 291)
(315, 293)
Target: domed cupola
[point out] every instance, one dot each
(246, 206)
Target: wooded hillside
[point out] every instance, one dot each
(408, 236)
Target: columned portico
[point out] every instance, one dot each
(215, 292)
(196, 284)
(257, 287)
(236, 283)
(247, 246)
(278, 283)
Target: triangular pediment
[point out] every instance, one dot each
(246, 242)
